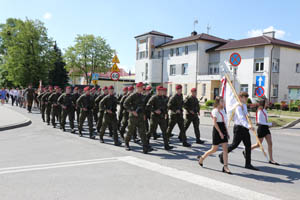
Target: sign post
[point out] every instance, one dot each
(115, 75)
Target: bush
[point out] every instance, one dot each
(294, 108)
(284, 107)
(249, 101)
(277, 106)
(209, 103)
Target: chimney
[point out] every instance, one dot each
(193, 33)
(270, 34)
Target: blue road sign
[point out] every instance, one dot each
(95, 76)
(260, 91)
(260, 81)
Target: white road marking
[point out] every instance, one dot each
(26, 168)
(202, 181)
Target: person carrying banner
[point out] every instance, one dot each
(241, 130)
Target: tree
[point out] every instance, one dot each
(58, 75)
(90, 54)
(26, 51)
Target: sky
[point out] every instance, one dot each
(118, 21)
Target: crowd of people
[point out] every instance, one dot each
(139, 115)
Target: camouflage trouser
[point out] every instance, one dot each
(160, 120)
(29, 104)
(83, 115)
(120, 117)
(110, 121)
(77, 115)
(95, 113)
(192, 118)
(54, 114)
(100, 120)
(48, 112)
(43, 109)
(136, 123)
(70, 113)
(124, 123)
(177, 119)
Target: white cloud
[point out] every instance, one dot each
(258, 32)
(47, 15)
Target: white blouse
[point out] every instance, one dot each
(220, 115)
(262, 117)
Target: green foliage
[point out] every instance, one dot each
(27, 52)
(249, 101)
(277, 106)
(209, 103)
(90, 54)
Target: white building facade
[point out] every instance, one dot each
(201, 60)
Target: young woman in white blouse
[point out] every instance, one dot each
(263, 130)
(220, 134)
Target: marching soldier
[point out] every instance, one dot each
(135, 104)
(66, 102)
(125, 118)
(159, 111)
(120, 114)
(166, 99)
(48, 105)
(86, 103)
(192, 107)
(76, 95)
(29, 92)
(97, 101)
(42, 103)
(175, 104)
(96, 107)
(59, 108)
(148, 95)
(109, 105)
(55, 107)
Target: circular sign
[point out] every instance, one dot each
(259, 91)
(235, 59)
(115, 76)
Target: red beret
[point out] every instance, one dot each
(178, 87)
(130, 88)
(93, 89)
(68, 87)
(148, 87)
(111, 87)
(165, 89)
(159, 87)
(99, 89)
(76, 88)
(86, 88)
(125, 89)
(105, 88)
(50, 87)
(140, 84)
(193, 90)
(56, 87)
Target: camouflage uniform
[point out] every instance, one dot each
(42, 105)
(29, 92)
(48, 105)
(67, 101)
(55, 107)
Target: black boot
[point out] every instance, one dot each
(198, 141)
(80, 133)
(127, 147)
(186, 144)
(101, 140)
(168, 147)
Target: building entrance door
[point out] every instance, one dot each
(216, 92)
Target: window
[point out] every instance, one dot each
(213, 68)
(158, 54)
(146, 71)
(298, 67)
(275, 91)
(171, 52)
(172, 69)
(259, 65)
(177, 51)
(185, 89)
(142, 54)
(146, 54)
(186, 50)
(203, 89)
(152, 54)
(275, 65)
(244, 87)
(184, 70)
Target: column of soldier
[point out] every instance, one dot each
(138, 108)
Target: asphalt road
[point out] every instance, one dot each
(39, 162)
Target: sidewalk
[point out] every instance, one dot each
(10, 119)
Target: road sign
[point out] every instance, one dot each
(115, 68)
(115, 76)
(95, 76)
(260, 81)
(235, 59)
(115, 59)
(259, 92)
(94, 82)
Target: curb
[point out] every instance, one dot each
(16, 125)
(291, 124)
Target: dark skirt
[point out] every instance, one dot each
(216, 136)
(263, 130)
